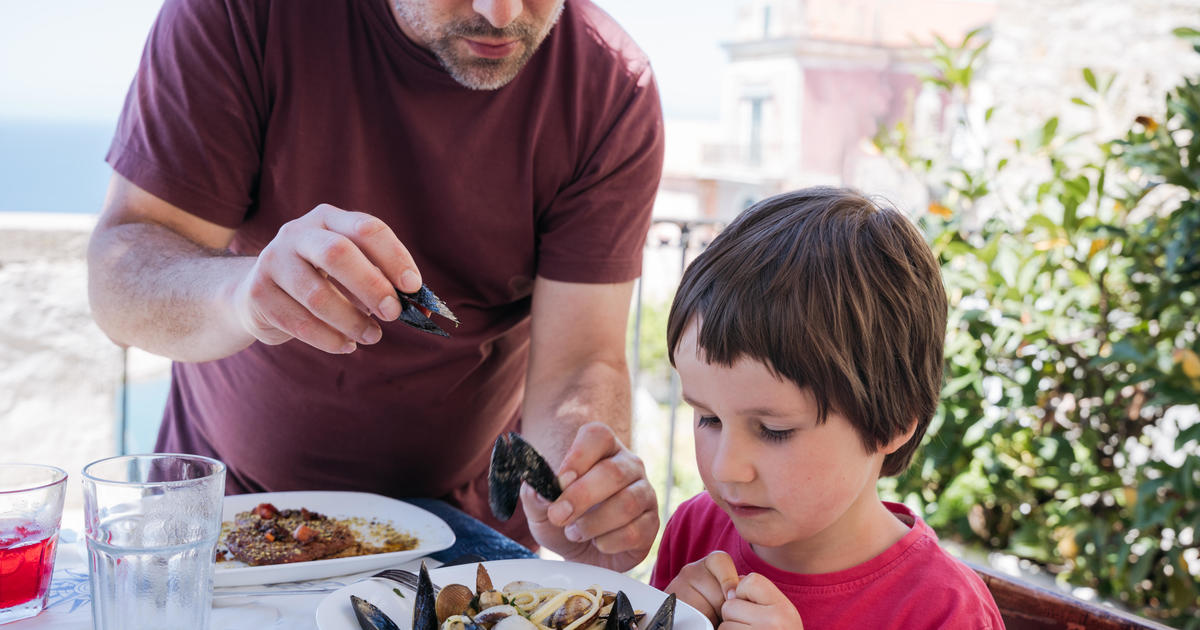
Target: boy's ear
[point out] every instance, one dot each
(900, 440)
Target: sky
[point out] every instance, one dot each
(72, 60)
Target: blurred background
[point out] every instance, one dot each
(1049, 149)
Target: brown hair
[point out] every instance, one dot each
(835, 293)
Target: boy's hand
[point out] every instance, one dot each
(759, 604)
(706, 584)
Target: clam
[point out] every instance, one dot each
(494, 614)
(452, 600)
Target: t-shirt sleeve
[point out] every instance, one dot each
(597, 224)
(191, 127)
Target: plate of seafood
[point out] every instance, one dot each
(531, 594)
(290, 536)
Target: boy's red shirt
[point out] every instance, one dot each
(914, 584)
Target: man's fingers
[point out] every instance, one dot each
(317, 294)
(339, 258)
(615, 532)
(593, 442)
(282, 318)
(377, 242)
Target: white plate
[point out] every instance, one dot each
(334, 612)
(433, 534)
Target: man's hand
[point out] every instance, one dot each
(321, 278)
(757, 604)
(608, 512)
(706, 584)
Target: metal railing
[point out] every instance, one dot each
(693, 236)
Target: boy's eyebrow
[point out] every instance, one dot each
(760, 412)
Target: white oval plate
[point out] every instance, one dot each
(433, 534)
(334, 612)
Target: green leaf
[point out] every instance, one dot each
(1079, 101)
(1185, 32)
(1048, 131)
(1090, 77)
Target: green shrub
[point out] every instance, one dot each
(1072, 346)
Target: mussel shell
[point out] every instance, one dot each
(411, 315)
(425, 606)
(664, 619)
(514, 460)
(621, 616)
(370, 617)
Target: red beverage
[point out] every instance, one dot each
(26, 565)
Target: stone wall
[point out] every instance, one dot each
(60, 376)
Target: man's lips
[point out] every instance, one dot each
(492, 50)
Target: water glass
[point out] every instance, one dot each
(31, 502)
(152, 524)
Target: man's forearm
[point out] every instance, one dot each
(151, 288)
(556, 406)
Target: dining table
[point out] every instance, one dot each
(289, 605)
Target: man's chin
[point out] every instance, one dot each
(484, 76)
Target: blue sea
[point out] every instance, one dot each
(53, 166)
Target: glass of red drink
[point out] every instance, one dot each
(31, 502)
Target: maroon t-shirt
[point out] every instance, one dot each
(249, 113)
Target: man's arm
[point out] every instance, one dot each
(577, 412)
(161, 279)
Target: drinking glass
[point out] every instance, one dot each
(31, 502)
(152, 523)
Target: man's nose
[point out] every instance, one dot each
(499, 13)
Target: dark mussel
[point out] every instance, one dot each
(425, 606)
(664, 619)
(621, 616)
(514, 460)
(370, 617)
(417, 307)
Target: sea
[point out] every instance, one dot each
(54, 165)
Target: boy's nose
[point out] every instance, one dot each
(731, 462)
(499, 13)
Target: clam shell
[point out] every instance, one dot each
(452, 600)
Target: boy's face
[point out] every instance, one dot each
(787, 481)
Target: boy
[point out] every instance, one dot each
(808, 339)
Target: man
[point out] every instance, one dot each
(282, 167)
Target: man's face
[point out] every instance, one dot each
(482, 43)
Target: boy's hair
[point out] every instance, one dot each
(835, 293)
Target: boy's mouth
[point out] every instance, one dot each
(746, 509)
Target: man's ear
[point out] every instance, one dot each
(900, 440)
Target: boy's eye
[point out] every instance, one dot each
(775, 435)
(707, 421)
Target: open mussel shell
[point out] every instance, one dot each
(514, 460)
(415, 309)
(370, 617)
